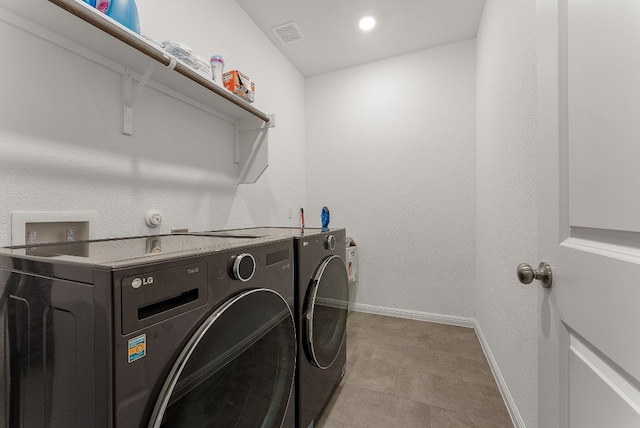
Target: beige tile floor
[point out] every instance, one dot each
(405, 373)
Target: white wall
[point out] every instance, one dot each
(222, 27)
(391, 152)
(506, 194)
(62, 147)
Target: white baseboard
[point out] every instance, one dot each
(516, 418)
(415, 315)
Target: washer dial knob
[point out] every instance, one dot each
(330, 243)
(243, 267)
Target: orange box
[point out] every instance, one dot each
(240, 84)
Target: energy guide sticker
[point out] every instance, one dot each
(137, 347)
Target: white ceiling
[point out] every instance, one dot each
(332, 39)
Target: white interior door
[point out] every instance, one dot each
(589, 212)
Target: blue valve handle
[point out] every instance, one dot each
(326, 217)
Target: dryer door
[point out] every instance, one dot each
(326, 310)
(237, 370)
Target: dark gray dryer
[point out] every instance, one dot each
(322, 296)
(164, 331)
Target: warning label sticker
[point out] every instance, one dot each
(137, 347)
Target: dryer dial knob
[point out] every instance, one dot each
(330, 243)
(243, 267)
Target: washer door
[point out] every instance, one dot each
(326, 312)
(237, 370)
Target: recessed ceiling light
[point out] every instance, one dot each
(367, 23)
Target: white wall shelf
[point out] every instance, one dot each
(85, 29)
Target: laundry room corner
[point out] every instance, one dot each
(396, 166)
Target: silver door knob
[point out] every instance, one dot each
(526, 274)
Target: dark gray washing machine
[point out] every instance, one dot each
(322, 298)
(164, 331)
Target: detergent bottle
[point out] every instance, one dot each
(126, 13)
(217, 67)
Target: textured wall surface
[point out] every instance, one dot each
(62, 146)
(506, 197)
(391, 151)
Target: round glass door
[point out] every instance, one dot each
(326, 312)
(237, 370)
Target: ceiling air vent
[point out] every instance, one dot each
(288, 33)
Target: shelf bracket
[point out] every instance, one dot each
(131, 94)
(251, 152)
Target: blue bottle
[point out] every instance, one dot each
(91, 3)
(126, 13)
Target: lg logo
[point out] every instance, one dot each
(137, 282)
